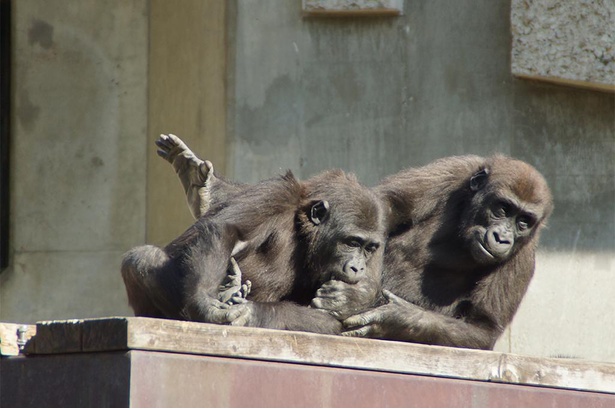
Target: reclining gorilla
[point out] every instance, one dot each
(461, 234)
(289, 238)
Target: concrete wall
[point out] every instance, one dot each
(78, 156)
(95, 82)
(187, 96)
(376, 95)
(370, 95)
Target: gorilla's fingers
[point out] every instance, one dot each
(360, 332)
(226, 315)
(363, 319)
(244, 317)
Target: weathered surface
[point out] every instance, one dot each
(157, 379)
(213, 381)
(78, 147)
(111, 334)
(71, 380)
(570, 41)
(352, 7)
(13, 337)
(187, 96)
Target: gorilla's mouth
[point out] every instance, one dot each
(341, 276)
(484, 250)
(478, 247)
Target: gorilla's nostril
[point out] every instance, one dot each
(499, 239)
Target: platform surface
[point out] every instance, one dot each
(151, 362)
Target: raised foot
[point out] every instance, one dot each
(176, 152)
(194, 174)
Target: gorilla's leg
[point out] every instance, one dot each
(195, 175)
(142, 270)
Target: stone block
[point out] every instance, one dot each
(570, 42)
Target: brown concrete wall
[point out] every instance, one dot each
(156, 379)
(187, 85)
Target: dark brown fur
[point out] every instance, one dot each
(446, 295)
(286, 252)
(453, 297)
(439, 218)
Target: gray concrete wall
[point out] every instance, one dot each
(375, 95)
(78, 156)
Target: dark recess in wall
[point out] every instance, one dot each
(5, 127)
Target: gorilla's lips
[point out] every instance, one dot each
(484, 250)
(341, 276)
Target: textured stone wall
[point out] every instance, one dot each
(568, 40)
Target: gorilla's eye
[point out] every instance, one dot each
(501, 209)
(353, 242)
(371, 248)
(524, 222)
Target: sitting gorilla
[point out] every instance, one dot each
(461, 235)
(290, 238)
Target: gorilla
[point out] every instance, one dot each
(461, 235)
(290, 239)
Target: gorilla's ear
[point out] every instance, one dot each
(479, 180)
(319, 211)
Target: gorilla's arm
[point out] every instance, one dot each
(480, 319)
(283, 315)
(286, 315)
(400, 320)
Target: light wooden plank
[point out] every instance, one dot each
(304, 348)
(9, 343)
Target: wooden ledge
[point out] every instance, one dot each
(14, 336)
(137, 333)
